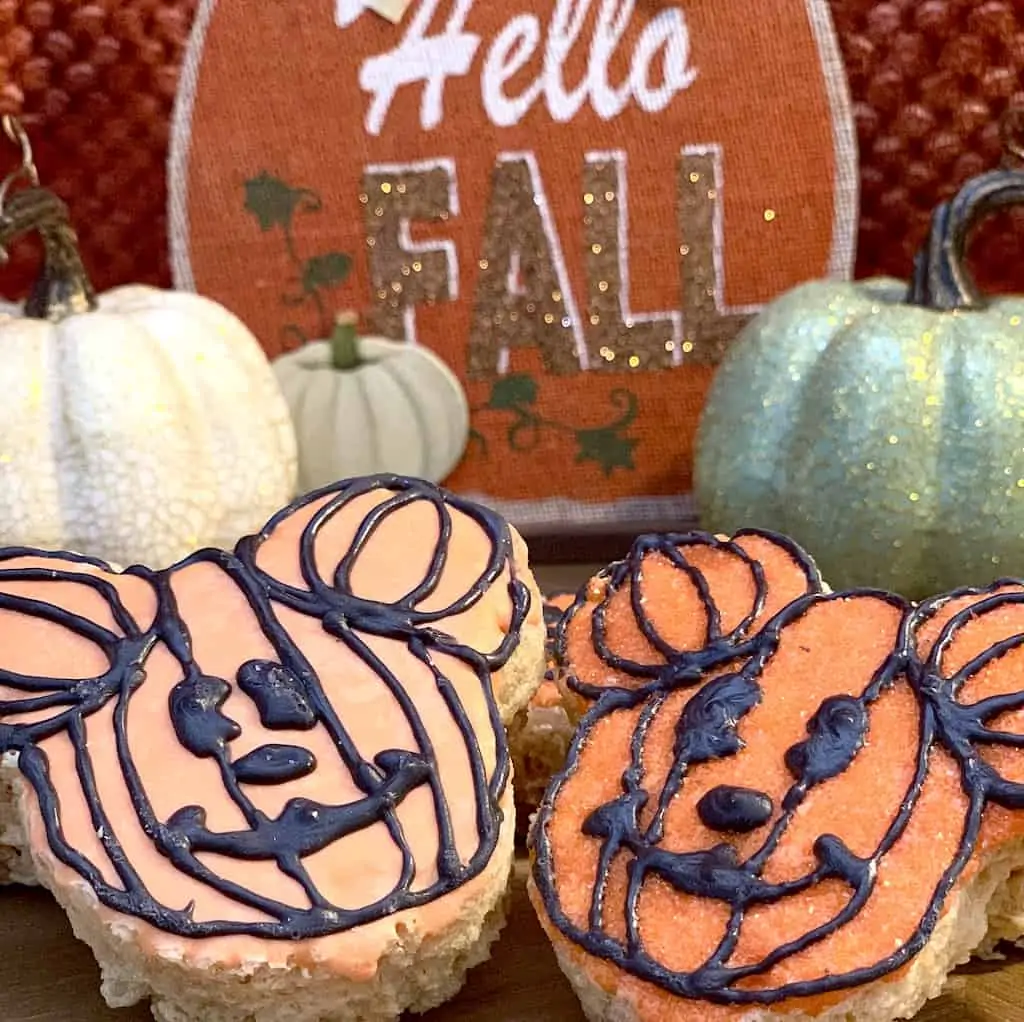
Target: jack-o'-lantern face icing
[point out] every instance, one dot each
(212, 747)
(785, 811)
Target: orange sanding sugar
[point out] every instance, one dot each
(835, 647)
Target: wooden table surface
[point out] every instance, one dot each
(48, 976)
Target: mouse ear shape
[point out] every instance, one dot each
(344, 550)
(66, 623)
(970, 648)
(684, 603)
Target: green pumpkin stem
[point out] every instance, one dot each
(63, 287)
(345, 343)
(941, 278)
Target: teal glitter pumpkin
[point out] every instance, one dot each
(881, 426)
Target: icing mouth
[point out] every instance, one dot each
(299, 587)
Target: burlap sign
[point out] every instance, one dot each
(576, 203)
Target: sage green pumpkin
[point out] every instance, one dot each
(882, 427)
(363, 405)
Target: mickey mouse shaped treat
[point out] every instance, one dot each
(782, 802)
(273, 783)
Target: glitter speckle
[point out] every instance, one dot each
(769, 215)
(414, 195)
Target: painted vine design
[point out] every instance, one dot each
(610, 447)
(274, 203)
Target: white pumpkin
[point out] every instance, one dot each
(134, 426)
(367, 405)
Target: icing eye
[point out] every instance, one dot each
(280, 697)
(707, 728)
(737, 810)
(836, 733)
(274, 764)
(195, 712)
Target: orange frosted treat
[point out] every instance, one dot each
(273, 783)
(805, 805)
(539, 737)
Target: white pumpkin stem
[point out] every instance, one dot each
(63, 287)
(345, 342)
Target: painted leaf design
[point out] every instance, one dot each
(327, 270)
(513, 391)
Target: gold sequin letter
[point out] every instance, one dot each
(708, 326)
(404, 274)
(522, 297)
(617, 338)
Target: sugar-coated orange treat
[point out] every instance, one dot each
(782, 802)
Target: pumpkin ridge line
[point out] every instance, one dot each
(370, 415)
(417, 414)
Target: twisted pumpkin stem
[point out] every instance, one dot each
(345, 353)
(941, 278)
(63, 287)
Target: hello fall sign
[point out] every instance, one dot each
(576, 203)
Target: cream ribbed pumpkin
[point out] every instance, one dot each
(135, 425)
(363, 405)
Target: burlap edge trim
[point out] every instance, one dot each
(846, 215)
(180, 149)
(554, 516)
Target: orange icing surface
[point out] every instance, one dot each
(834, 648)
(354, 870)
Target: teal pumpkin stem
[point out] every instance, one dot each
(941, 278)
(345, 354)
